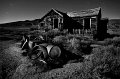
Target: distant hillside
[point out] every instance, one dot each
(14, 30)
(20, 24)
(114, 24)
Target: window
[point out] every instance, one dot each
(87, 23)
(42, 24)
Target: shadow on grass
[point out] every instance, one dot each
(5, 38)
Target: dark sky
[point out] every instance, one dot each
(19, 10)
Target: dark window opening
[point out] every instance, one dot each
(87, 23)
(55, 23)
(42, 24)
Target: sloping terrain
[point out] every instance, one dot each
(10, 58)
(114, 26)
(114, 23)
(16, 66)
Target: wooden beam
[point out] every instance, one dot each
(90, 23)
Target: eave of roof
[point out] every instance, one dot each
(57, 12)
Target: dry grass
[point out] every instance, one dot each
(103, 61)
(10, 58)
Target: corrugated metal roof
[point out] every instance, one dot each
(89, 12)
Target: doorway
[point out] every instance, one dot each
(87, 23)
(55, 23)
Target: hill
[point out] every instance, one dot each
(14, 30)
(114, 24)
(20, 24)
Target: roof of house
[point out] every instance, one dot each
(89, 12)
(62, 14)
(56, 11)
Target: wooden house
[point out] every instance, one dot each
(92, 21)
(87, 22)
(55, 19)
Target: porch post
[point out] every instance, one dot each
(79, 31)
(83, 22)
(58, 23)
(83, 26)
(53, 23)
(90, 23)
